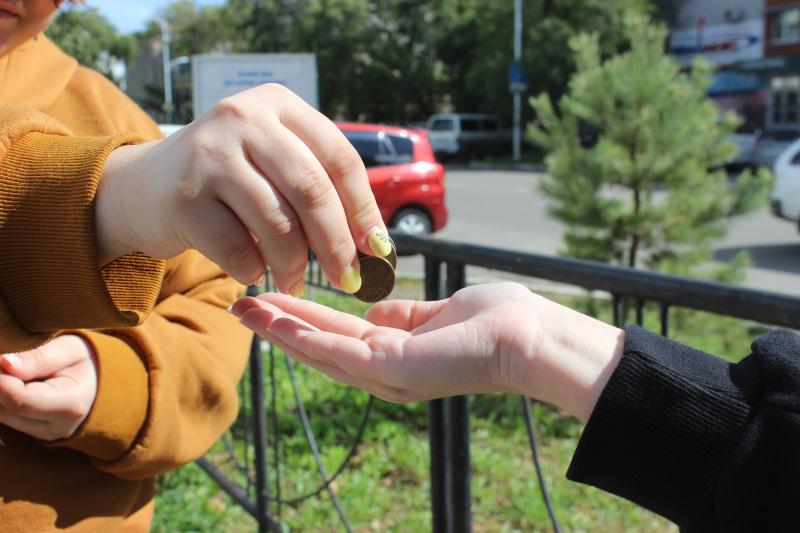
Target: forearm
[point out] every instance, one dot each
(47, 230)
(193, 353)
(697, 439)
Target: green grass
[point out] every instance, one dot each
(386, 487)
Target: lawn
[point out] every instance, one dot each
(386, 486)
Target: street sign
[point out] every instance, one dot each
(517, 80)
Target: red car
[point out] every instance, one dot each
(406, 180)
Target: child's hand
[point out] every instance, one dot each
(48, 392)
(251, 183)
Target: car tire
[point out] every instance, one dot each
(412, 221)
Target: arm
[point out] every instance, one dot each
(711, 445)
(708, 444)
(191, 354)
(47, 236)
(113, 395)
(498, 337)
(250, 185)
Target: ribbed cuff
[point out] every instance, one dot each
(49, 274)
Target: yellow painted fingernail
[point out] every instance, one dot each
(262, 280)
(379, 243)
(350, 280)
(297, 289)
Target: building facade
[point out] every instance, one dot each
(780, 65)
(725, 33)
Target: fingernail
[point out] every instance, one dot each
(13, 359)
(297, 289)
(262, 280)
(230, 309)
(350, 280)
(379, 243)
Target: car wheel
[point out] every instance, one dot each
(412, 221)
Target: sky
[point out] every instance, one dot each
(131, 16)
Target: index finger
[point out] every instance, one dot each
(347, 173)
(313, 314)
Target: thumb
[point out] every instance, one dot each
(22, 365)
(45, 360)
(403, 314)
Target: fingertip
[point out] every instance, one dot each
(379, 242)
(258, 320)
(350, 279)
(11, 362)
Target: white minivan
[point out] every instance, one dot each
(468, 135)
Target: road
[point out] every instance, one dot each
(504, 209)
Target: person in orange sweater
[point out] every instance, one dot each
(120, 360)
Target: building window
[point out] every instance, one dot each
(785, 27)
(784, 99)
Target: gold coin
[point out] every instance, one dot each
(377, 279)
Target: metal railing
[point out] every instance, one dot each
(449, 418)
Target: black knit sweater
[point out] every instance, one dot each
(710, 445)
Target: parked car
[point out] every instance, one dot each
(772, 144)
(785, 195)
(468, 135)
(746, 137)
(406, 180)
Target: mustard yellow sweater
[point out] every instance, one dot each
(167, 387)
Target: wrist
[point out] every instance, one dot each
(112, 239)
(573, 359)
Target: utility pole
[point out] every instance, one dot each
(517, 80)
(168, 106)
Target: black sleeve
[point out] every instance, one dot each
(710, 445)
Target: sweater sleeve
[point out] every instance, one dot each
(167, 389)
(49, 275)
(708, 444)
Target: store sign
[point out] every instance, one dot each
(719, 44)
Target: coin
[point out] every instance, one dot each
(377, 279)
(392, 257)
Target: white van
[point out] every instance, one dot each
(785, 196)
(468, 135)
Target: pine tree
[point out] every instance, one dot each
(632, 153)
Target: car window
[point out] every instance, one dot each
(378, 149)
(781, 135)
(442, 124)
(403, 149)
(489, 125)
(370, 146)
(470, 124)
(796, 158)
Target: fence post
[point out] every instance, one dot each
(258, 408)
(449, 430)
(458, 428)
(437, 422)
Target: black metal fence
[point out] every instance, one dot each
(449, 418)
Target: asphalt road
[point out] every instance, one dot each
(504, 209)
